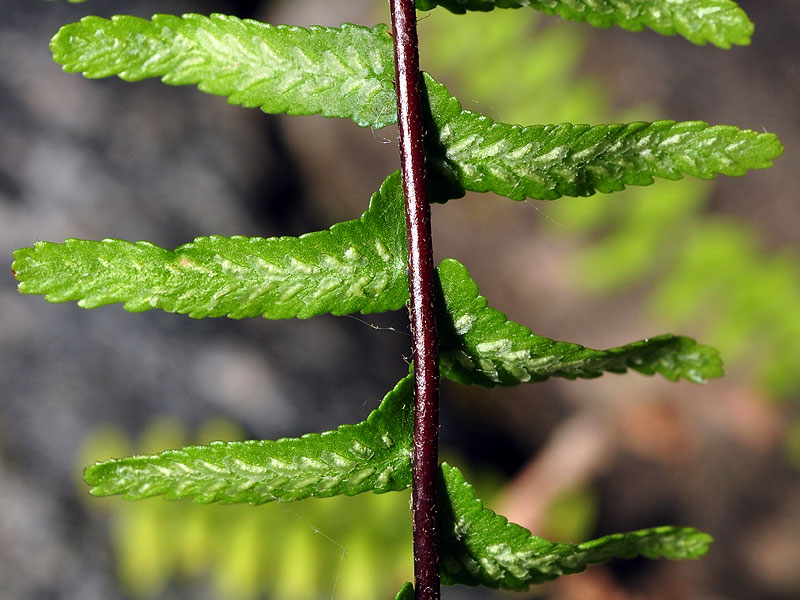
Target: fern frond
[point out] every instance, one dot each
(480, 345)
(344, 72)
(480, 547)
(354, 266)
(545, 162)
(371, 456)
(721, 22)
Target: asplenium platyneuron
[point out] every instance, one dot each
(360, 265)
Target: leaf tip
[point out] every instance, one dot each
(63, 43)
(685, 543)
(94, 475)
(701, 363)
(19, 266)
(772, 144)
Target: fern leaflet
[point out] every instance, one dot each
(480, 345)
(480, 547)
(546, 162)
(354, 266)
(346, 72)
(371, 456)
(720, 22)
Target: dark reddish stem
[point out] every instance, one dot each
(423, 317)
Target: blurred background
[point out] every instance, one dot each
(571, 460)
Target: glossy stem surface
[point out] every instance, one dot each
(421, 309)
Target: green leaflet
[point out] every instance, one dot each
(371, 456)
(345, 72)
(479, 345)
(355, 266)
(720, 22)
(406, 592)
(479, 547)
(474, 153)
(348, 72)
